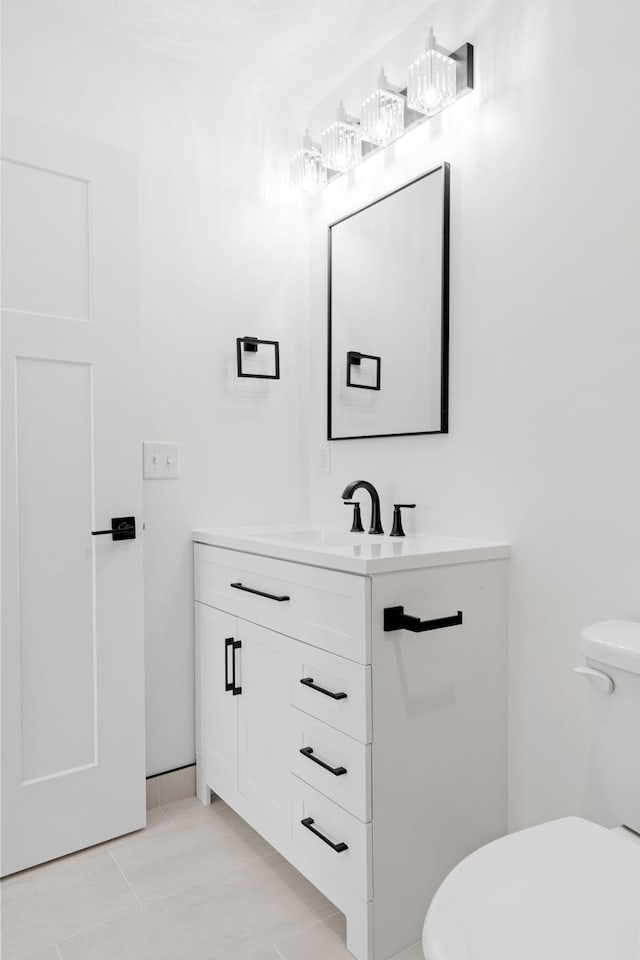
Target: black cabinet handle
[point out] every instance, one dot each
(336, 771)
(308, 682)
(259, 593)
(228, 644)
(396, 619)
(308, 822)
(235, 690)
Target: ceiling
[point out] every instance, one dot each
(317, 43)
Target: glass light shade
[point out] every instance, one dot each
(342, 143)
(306, 167)
(432, 81)
(382, 117)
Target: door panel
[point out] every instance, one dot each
(47, 219)
(56, 579)
(216, 706)
(72, 629)
(264, 721)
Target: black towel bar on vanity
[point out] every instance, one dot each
(396, 619)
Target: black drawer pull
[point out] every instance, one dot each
(396, 619)
(308, 822)
(336, 771)
(308, 682)
(258, 593)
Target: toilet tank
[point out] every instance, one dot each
(612, 648)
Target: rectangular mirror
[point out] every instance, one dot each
(389, 313)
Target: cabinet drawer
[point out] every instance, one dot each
(340, 847)
(335, 690)
(324, 608)
(335, 764)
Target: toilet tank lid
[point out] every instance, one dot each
(615, 643)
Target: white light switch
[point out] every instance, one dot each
(160, 460)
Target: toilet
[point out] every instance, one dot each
(568, 889)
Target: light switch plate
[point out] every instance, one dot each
(159, 460)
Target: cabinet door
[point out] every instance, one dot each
(264, 711)
(216, 704)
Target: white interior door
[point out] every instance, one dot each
(72, 632)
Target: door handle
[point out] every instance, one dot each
(308, 822)
(122, 528)
(336, 771)
(236, 644)
(228, 644)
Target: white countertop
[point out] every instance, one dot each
(336, 549)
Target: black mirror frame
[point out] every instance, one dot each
(444, 376)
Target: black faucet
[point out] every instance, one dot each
(348, 492)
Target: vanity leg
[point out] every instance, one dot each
(203, 793)
(359, 918)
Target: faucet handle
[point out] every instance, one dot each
(397, 529)
(356, 526)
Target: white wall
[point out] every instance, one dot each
(220, 257)
(544, 446)
(544, 442)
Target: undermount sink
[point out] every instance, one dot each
(316, 537)
(323, 545)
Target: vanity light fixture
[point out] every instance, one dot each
(341, 142)
(306, 168)
(435, 81)
(432, 80)
(382, 114)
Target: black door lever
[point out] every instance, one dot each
(122, 528)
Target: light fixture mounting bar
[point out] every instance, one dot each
(463, 58)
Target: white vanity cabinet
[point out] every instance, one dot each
(373, 760)
(243, 739)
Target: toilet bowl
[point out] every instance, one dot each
(568, 889)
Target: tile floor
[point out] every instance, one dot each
(197, 884)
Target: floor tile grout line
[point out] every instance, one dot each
(96, 926)
(136, 835)
(198, 883)
(217, 876)
(199, 812)
(120, 916)
(125, 878)
(171, 823)
(310, 926)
